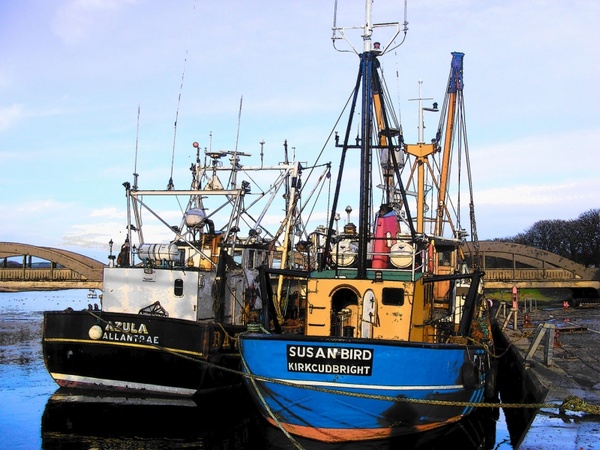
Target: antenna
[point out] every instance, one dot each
(238, 124)
(137, 134)
(367, 31)
(262, 144)
(421, 124)
(171, 186)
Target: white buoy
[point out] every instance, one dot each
(95, 332)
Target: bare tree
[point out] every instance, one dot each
(577, 240)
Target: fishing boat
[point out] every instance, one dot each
(391, 335)
(171, 309)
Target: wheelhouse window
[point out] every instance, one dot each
(181, 258)
(178, 287)
(392, 296)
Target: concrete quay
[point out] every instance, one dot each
(564, 365)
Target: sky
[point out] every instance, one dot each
(90, 91)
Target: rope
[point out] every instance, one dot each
(571, 403)
(268, 409)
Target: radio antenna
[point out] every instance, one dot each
(238, 124)
(137, 135)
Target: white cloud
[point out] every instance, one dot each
(43, 207)
(540, 158)
(110, 213)
(77, 20)
(522, 195)
(10, 116)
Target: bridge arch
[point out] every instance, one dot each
(536, 269)
(87, 270)
(533, 257)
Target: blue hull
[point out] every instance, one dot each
(336, 389)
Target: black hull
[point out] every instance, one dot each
(139, 353)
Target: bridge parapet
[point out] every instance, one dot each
(529, 274)
(522, 257)
(534, 268)
(40, 275)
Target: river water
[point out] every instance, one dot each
(35, 413)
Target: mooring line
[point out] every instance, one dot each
(571, 403)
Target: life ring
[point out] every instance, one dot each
(401, 255)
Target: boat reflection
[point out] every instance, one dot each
(92, 420)
(477, 431)
(76, 419)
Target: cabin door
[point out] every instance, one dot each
(369, 314)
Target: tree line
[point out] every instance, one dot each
(577, 240)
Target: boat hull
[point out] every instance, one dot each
(137, 353)
(365, 389)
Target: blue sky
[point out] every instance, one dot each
(74, 72)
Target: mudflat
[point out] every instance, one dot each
(575, 365)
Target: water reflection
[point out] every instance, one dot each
(478, 431)
(77, 420)
(89, 420)
(20, 339)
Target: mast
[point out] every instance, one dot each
(368, 64)
(421, 152)
(366, 70)
(455, 85)
(372, 108)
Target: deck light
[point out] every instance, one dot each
(348, 211)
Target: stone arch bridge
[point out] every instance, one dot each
(529, 267)
(60, 269)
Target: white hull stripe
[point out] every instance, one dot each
(449, 387)
(122, 384)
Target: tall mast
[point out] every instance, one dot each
(455, 86)
(421, 152)
(369, 86)
(368, 32)
(364, 209)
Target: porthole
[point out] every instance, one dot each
(178, 287)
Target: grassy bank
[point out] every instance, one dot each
(542, 296)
